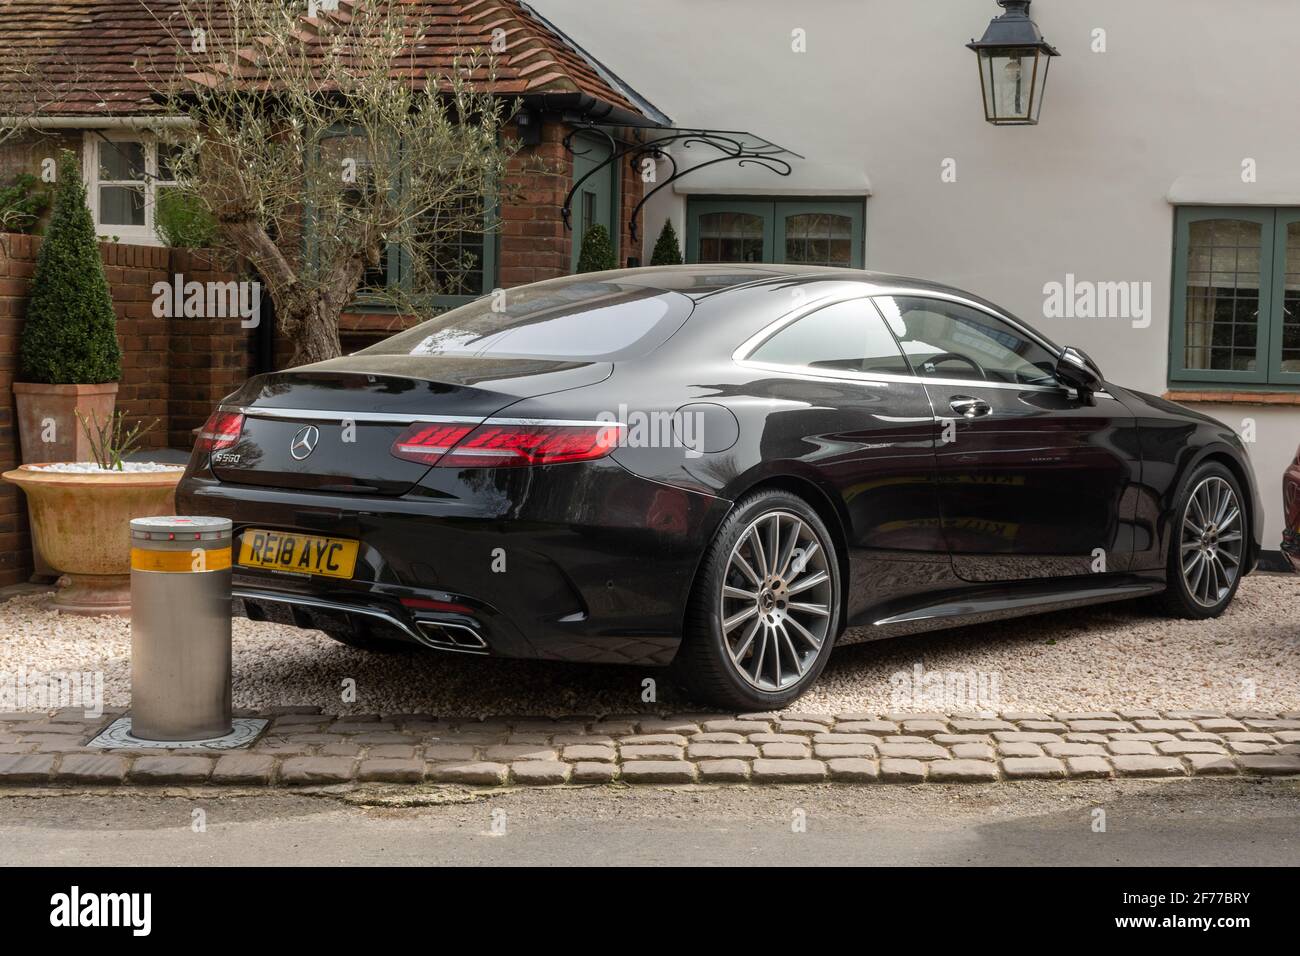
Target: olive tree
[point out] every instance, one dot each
(323, 149)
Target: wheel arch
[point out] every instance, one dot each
(1222, 455)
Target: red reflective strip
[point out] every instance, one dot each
(428, 604)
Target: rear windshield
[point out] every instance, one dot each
(569, 318)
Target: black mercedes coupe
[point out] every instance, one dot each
(728, 469)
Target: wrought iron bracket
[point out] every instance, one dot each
(743, 149)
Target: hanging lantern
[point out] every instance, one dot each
(1013, 62)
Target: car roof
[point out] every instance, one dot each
(715, 279)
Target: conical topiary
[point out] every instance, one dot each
(667, 250)
(597, 252)
(70, 336)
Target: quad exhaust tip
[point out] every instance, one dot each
(451, 637)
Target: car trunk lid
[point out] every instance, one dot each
(331, 426)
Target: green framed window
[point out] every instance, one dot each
(1236, 297)
(802, 231)
(464, 265)
(464, 268)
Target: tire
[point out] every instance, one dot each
(788, 641)
(1224, 543)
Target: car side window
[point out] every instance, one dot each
(945, 339)
(844, 337)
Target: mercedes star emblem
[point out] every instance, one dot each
(304, 443)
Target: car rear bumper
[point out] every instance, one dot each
(569, 562)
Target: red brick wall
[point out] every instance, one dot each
(207, 358)
(534, 244)
(173, 370)
(631, 189)
(142, 389)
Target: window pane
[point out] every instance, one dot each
(454, 255)
(731, 237)
(1013, 81)
(121, 162)
(1291, 301)
(948, 340)
(848, 336)
(121, 205)
(1223, 276)
(568, 318)
(819, 239)
(346, 155)
(167, 155)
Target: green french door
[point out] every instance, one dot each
(806, 232)
(595, 200)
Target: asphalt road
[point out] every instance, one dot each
(1181, 822)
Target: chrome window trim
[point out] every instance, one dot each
(741, 355)
(886, 378)
(772, 328)
(255, 411)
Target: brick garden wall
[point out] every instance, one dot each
(174, 370)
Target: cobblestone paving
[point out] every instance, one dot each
(303, 746)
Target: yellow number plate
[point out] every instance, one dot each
(298, 553)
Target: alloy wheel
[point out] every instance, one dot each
(775, 605)
(1212, 541)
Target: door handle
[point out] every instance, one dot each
(969, 407)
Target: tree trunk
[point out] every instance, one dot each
(308, 317)
(313, 327)
(317, 327)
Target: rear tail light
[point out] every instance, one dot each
(221, 430)
(426, 442)
(491, 445)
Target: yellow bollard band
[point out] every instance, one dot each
(207, 559)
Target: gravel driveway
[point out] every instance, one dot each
(1112, 656)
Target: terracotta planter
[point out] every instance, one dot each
(59, 404)
(82, 524)
(35, 404)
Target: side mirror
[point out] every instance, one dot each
(1076, 369)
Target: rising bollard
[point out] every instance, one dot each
(180, 628)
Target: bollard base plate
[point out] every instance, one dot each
(117, 736)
